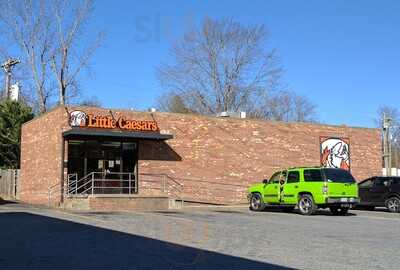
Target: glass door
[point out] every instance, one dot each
(129, 166)
(112, 162)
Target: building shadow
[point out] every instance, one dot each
(29, 241)
(157, 150)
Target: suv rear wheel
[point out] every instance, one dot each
(256, 202)
(339, 210)
(393, 204)
(306, 205)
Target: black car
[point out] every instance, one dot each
(380, 191)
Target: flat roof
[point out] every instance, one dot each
(117, 134)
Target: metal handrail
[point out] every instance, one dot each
(75, 185)
(87, 184)
(50, 192)
(72, 180)
(202, 185)
(167, 184)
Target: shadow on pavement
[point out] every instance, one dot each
(2, 202)
(29, 241)
(319, 212)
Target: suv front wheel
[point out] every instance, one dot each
(256, 202)
(306, 204)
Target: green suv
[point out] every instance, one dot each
(309, 188)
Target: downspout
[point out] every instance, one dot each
(62, 169)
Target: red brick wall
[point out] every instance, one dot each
(41, 145)
(244, 151)
(210, 159)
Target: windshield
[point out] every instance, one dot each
(338, 176)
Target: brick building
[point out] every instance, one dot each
(93, 158)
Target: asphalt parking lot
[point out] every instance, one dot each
(196, 238)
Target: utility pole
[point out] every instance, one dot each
(387, 145)
(396, 157)
(7, 66)
(395, 146)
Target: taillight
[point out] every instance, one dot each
(325, 190)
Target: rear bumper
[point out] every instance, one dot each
(341, 200)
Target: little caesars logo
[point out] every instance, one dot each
(81, 119)
(77, 119)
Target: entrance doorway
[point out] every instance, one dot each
(111, 165)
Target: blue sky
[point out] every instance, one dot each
(344, 55)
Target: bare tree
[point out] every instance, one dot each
(219, 67)
(45, 34)
(390, 112)
(29, 27)
(91, 102)
(172, 103)
(224, 66)
(285, 106)
(66, 60)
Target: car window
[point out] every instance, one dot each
(275, 178)
(366, 184)
(293, 177)
(313, 175)
(382, 182)
(396, 181)
(338, 175)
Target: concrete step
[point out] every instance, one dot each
(119, 203)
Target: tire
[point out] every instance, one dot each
(288, 209)
(339, 211)
(256, 202)
(306, 205)
(393, 204)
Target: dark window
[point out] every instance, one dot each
(338, 176)
(366, 184)
(76, 157)
(396, 181)
(277, 176)
(313, 175)
(382, 182)
(293, 177)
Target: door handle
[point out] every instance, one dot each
(296, 186)
(276, 187)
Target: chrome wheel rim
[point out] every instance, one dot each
(305, 205)
(393, 205)
(255, 202)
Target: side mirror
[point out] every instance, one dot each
(265, 181)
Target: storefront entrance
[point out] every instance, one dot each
(102, 166)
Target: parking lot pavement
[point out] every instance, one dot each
(196, 238)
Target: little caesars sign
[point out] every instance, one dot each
(81, 119)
